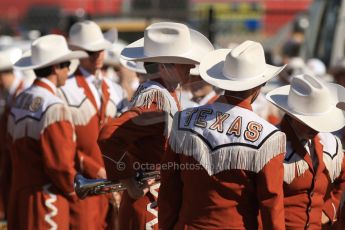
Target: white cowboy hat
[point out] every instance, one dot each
(8, 57)
(135, 66)
(168, 42)
(238, 69)
(87, 36)
(311, 101)
(112, 35)
(49, 50)
(113, 53)
(71, 69)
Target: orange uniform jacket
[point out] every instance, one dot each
(5, 163)
(137, 134)
(88, 119)
(42, 155)
(225, 188)
(309, 192)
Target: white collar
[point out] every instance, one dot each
(88, 76)
(49, 83)
(14, 86)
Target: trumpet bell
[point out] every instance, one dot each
(84, 187)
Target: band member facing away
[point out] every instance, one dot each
(10, 86)
(169, 51)
(42, 141)
(93, 100)
(314, 176)
(225, 163)
(338, 72)
(203, 92)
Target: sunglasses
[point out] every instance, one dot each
(65, 64)
(6, 71)
(91, 53)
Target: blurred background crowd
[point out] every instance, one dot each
(307, 35)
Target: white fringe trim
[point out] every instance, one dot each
(147, 97)
(230, 157)
(33, 128)
(295, 164)
(53, 209)
(83, 114)
(334, 166)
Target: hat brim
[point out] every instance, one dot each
(6, 67)
(329, 121)
(93, 47)
(25, 63)
(73, 66)
(137, 67)
(111, 61)
(135, 51)
(211, 70)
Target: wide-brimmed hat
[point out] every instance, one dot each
(8, 57)
(168, 42)
(135, 66)
(112, 35)
(113, 53)
(87, 36)
(311, 101)
(46, 51)
(71, 69)
(241, 68)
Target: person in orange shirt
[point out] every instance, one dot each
(10, 87)
(42, 141)
(338, 72)
(314, 164)
(93, 100)
(137, 139)
(217, 173)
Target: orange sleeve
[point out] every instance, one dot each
(118, 137)
(170, 192)
(58, 146)
(332, 202)
(270, 193)
(87, 165)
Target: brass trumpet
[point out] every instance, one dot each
(91, 187)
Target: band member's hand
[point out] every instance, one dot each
(102, 173)
(324, 218)
(150, 182)
(3, 225)
(116, 199)
(136, 190)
